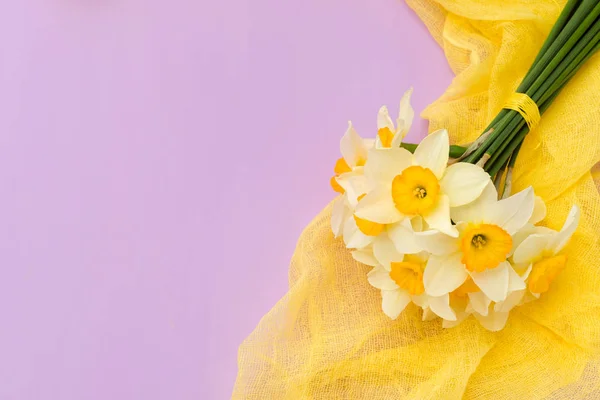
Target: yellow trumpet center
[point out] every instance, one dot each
(544, 272)
(415, 191)
(408, 274)
(484, 246)
(369, 228)
(386, 136)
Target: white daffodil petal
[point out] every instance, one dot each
(353, 237)
(433, 152)
(515, 281)
(475, 210)
(493, 282)
(511, 214)
(365, 257)
(494, 321)
(384, 120)
(443, 274)
(479, 302)
(441, 306)
(463, 183)
(512, 300)
(428, 315)
(354, 183)
(352, 147)
(406, 114)
(531, 248)
(539, 210)
(384, 164)
(437, 243)
(421, 300)
(378, 206)
(562, 238)
(385, 252)
(460, 317)
(380, 278)
(439, 217)
(339, 214)
(527, 272)
(403, 237)
(394, 302)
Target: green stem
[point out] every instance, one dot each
(455, 151)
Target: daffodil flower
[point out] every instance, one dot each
(387, 241)
(419, 184)
(389, 136)
(402, 283)
(542, 252)
(354, 151)
(486, 228)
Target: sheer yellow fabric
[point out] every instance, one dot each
(328, 338)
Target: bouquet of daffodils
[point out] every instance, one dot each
(435, 230)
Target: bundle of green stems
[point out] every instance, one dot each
(574, 38)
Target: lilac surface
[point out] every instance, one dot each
(159, 160)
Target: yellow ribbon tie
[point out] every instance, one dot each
(525, 106)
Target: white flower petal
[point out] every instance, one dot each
(365, 257)
(378, 206)
(443, 274)
(384, 165)
(474, 211)
(562, 238)
(494, 321)
(421, 300)
(406, 114)
(441, 306)
(380, 278)
(385, 252)
(352, 147)
(339, 214)
(384, 120)
(493, 282)
(403, 237)
(512, 300)
(439, 217)
(479, 302)
(531, 248)
(428, 315)
(394, 302)
(539, 210)
(433, 152)
(515, 281)
(354, 183)
(512, 213)
(460, 317)
(527, 272)
(437, 243)
(353, 237)
(463, 183)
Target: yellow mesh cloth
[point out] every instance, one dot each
(328, 338)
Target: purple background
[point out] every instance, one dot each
(158, 161)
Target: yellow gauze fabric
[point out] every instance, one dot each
(328, 338)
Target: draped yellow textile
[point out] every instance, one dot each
(328, 338)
